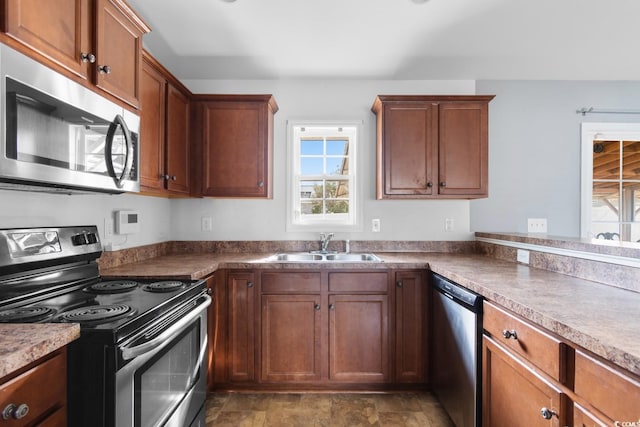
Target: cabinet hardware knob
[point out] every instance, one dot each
(316, 306)
(547, 413)
(510, 334)
(165, 177)
(429, 184)
(332, 307)
(260, 184)
(249, 284)
(104, 69)
(88, 57)
(15, 412)
(399, 283)
(443, 184)
(173, 177)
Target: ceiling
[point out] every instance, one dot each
(395, 39)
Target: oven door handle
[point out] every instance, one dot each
(129, 353)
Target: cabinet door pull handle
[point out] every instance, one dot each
(104, 69)
(510, 334)
(316, 306)
(332, 307)
(88, 57)
(429, 184)
(399, 283)
(260, 184)
(249, 284)
(443, 184)
(547, 413)
(173, 177)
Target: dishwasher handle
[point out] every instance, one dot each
(457, 293)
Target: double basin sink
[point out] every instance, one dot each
(324, 257)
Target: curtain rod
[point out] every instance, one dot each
(592, 110)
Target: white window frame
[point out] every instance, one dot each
(591, 132)
(350, 222)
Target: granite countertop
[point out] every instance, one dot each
(597, 317)
(21, 344)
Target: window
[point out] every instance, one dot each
(611, 181)
(322, 182)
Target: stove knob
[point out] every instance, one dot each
(92, 238)
(79, 240)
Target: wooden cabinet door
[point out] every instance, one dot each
(237, 146)
(118, 51)
(291, 338)
(58, 29)
(514, 394)
(463, 149)
(411, 327)
(152, 128)
(241, 327)
(410, 148)
(178, 145)
(358, 338)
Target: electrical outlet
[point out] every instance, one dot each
(108, 227)
(448, 224)
(206, 223)
(375, 225)
(523, 256)
(537, 225)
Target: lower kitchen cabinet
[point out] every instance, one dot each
(358, 338)
(411, 351)
(323, 328)
(514, 394)
(291, 338)
(37, 395)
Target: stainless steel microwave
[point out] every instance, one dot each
(58, 135)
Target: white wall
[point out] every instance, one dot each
(534, 150)
(26, 209)
(323, 100)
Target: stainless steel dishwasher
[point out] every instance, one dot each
(456, 332)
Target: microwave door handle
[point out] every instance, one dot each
(128, 162)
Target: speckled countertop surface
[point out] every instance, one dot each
(597, 317)
(21, 344)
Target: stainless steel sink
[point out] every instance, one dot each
(330, 257)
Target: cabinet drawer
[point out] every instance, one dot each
(359, 282)
(584, 418)
(297, 282)
(608, 390)
(535, 345)
(42, 388)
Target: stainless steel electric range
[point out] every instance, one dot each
(140, 358)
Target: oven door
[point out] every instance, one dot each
(163, 380)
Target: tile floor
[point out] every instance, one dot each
(325, 410)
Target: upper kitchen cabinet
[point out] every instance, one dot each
(432, 146)
(164, 132)
(237, 145)
(96, 41)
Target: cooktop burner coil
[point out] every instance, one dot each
(96, 313)
(112, 287)
(26, 314)
(164, 286)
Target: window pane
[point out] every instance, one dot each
(311, 189)
(337, 147)
(337, 190)
(337, 166)
(606, 160)
(311, 208)
(337, 206)
(631, 160)
(311, 166)
(311, 147)
(606, 201)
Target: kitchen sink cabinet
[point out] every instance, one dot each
(432, 146)
(37, 392)
(411, 317)
(165, 145)
(236, 143)
(95, 41)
